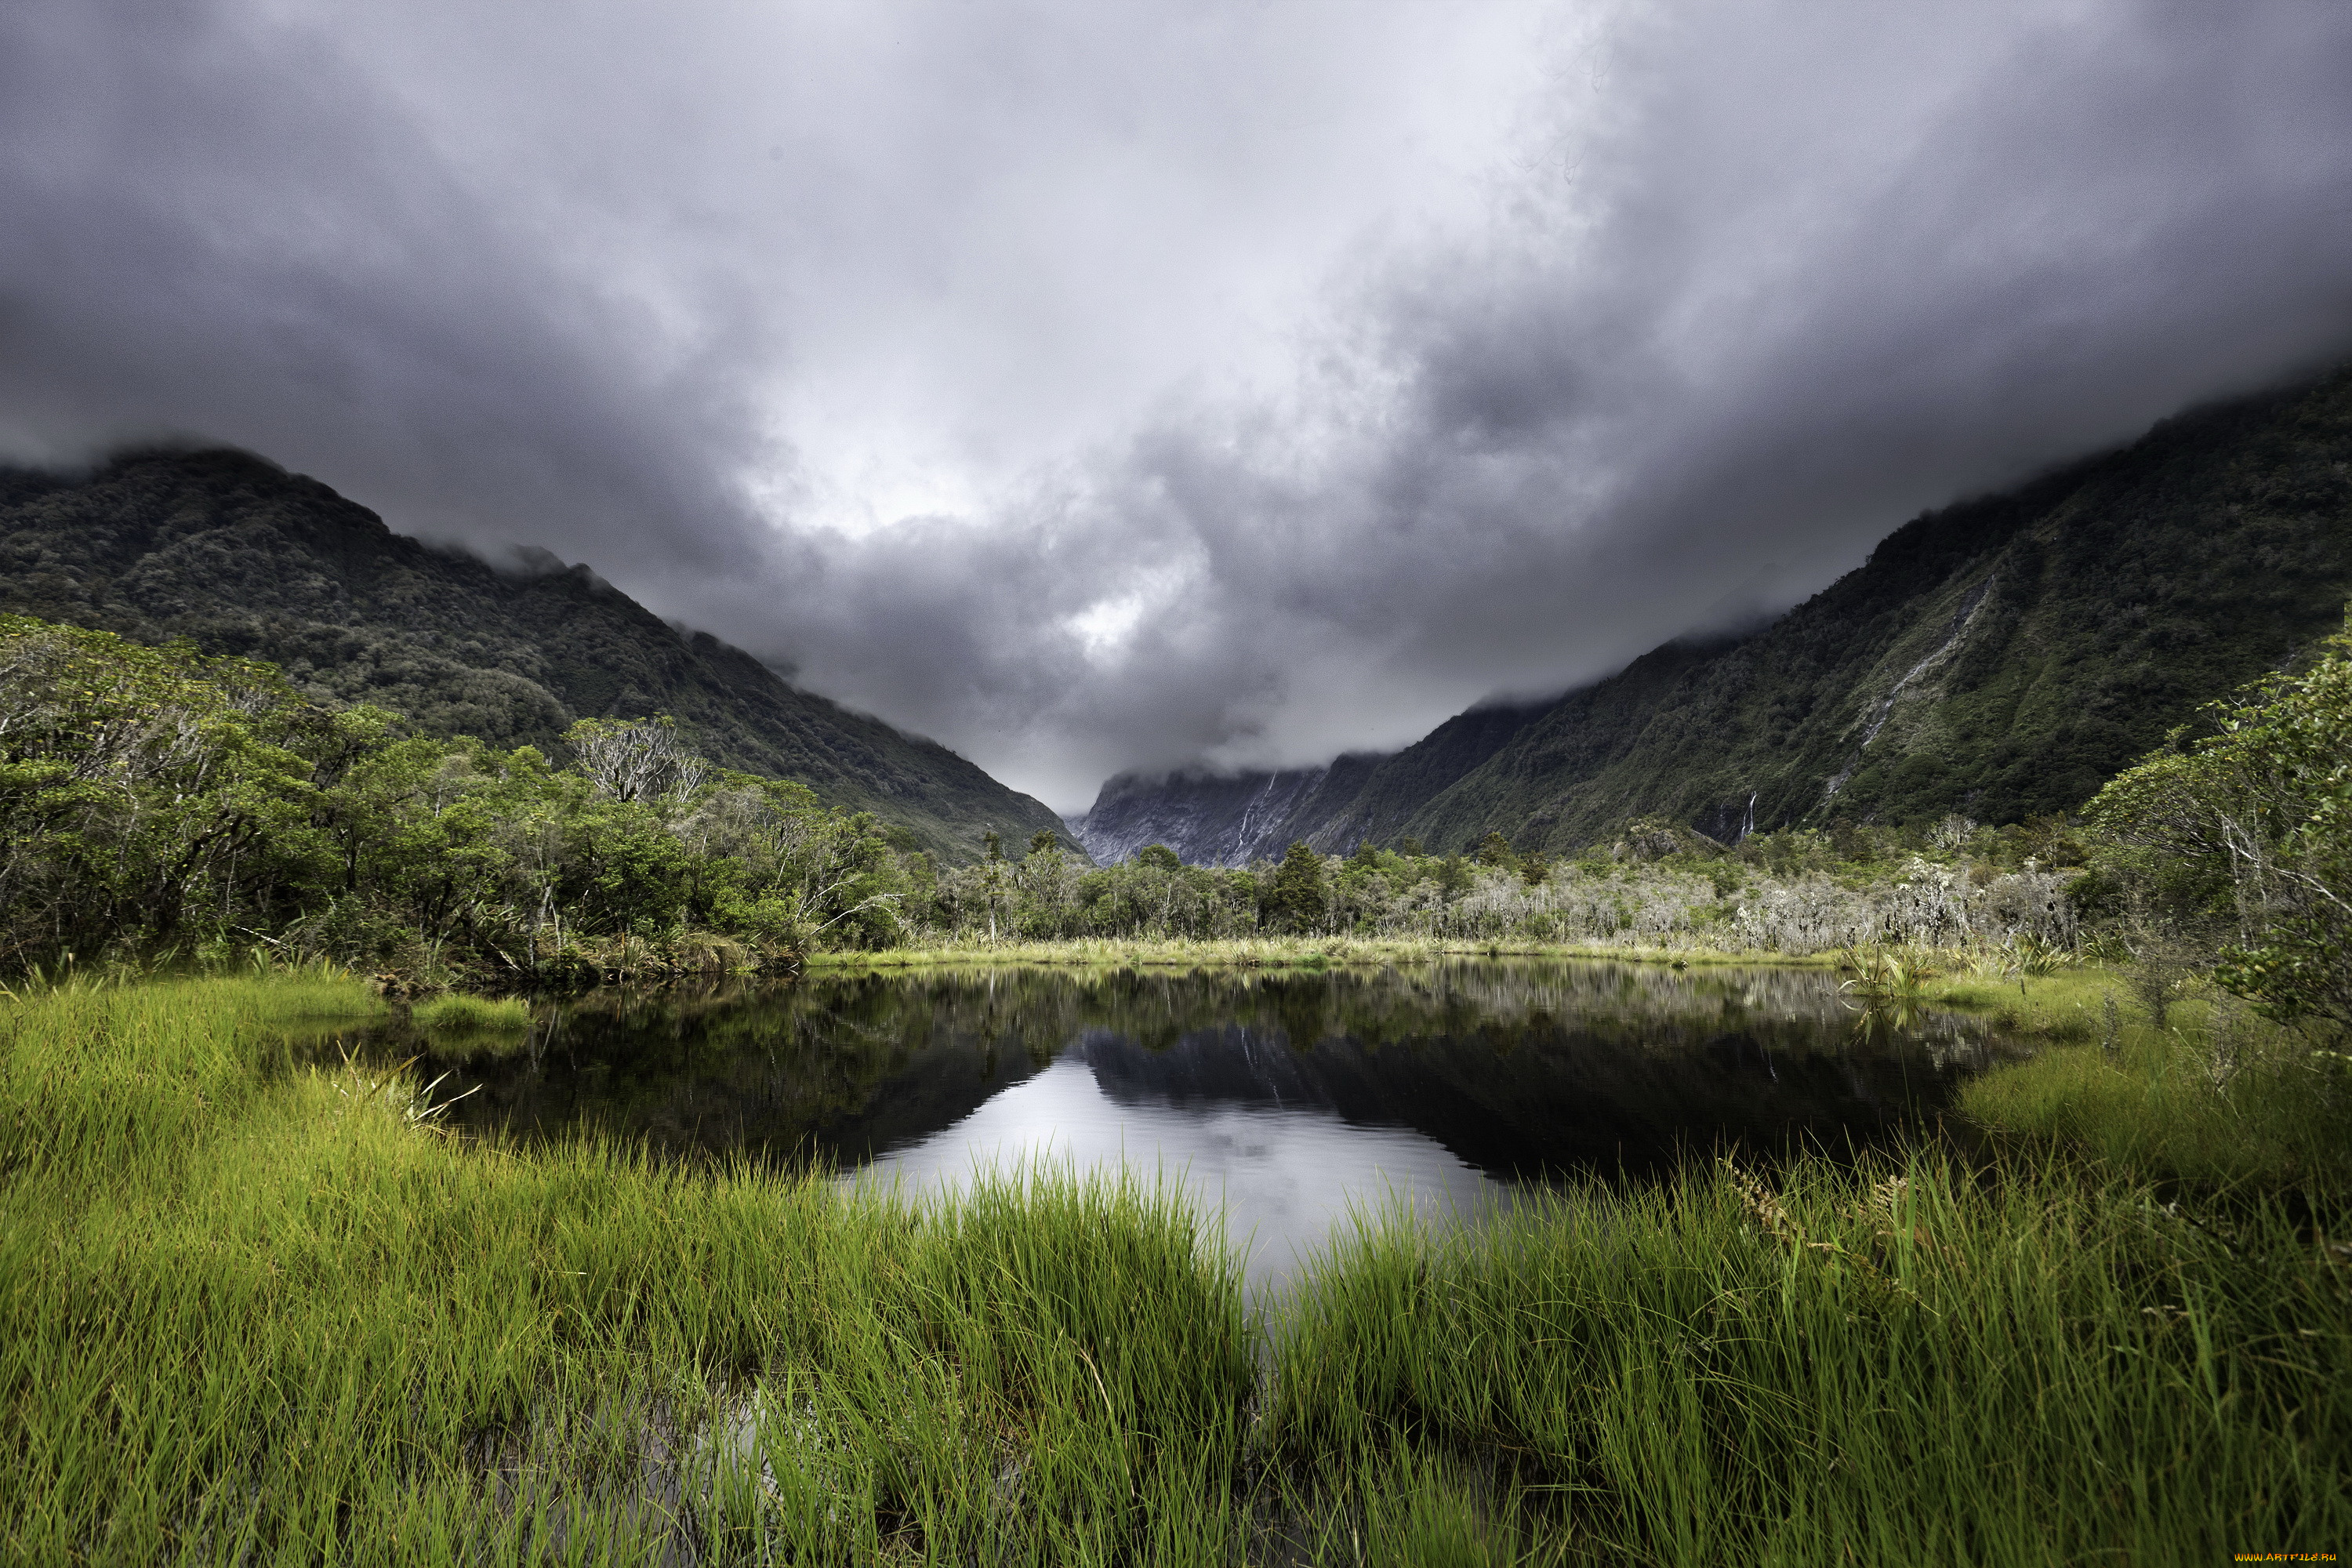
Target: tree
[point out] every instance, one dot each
(1453, 878)
(1046, 885)
(1496, 851)
(1295, 899)
(2262, 813)
(139, 786)
(154, 800)
(636, 759)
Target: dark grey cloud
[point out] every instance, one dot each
(1113, 383)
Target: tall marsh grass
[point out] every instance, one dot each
(257, 1311)
(1902, 1363)
(255, 1306)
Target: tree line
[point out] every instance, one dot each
(156, 801)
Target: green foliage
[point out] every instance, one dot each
(155, 801)
(257, 1311)
(2213, 1097)
(1453, 878)
(1910, 1361)
(2252, 825)
(1295, 899)
(133, 780)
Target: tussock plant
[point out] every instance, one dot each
(478, 1022)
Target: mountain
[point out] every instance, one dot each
(2000, 658)
(242, 557)
(1214, 819)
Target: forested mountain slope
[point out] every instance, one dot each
(2000, 658)
(243, 558)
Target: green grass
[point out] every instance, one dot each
(255, 1312)
(258, 1309)
(1895, 1365)
(2215, 1096)
(461, 1018)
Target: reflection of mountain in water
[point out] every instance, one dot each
(1545, 1100)
(1515, 1067)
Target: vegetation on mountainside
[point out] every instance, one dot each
(1998, 659)
(244, 559)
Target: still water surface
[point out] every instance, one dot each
(1285, 1098)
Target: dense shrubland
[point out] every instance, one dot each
(1799, 892)
(156, 802)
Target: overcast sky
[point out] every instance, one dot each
(1109, 384)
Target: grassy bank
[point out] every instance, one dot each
(1898, 1364)
(255, 1309)
(2208, 1093)
(259, 1312)
(1270, 952)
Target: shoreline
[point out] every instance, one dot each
(1290, 952)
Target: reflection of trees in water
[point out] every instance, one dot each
(842, 1065)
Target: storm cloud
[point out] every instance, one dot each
(1107, 383)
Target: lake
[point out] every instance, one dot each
(1283, 1097)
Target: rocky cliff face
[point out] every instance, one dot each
(1209, 819)
(1213, 819)
(2001, 657)
(243, 558)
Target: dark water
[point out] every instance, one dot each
(1286, 1097)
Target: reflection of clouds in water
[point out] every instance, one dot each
(1283, 1177)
